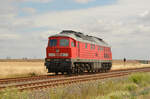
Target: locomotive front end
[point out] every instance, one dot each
(58, 55)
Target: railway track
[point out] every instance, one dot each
(25, 79)
(46, 81)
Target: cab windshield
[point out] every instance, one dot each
(64, 42)
(52, 42)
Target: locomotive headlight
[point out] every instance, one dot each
(51, 54)
(48, 59)
(63, 54)
(67, 59)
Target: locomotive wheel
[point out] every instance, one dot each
(89, 69)
(110, 65)
(103, 68)
(103, 71)
(97, 70)
(107, 67)
(93, 71)
(73, 70)
(78, 70)
(81, 71)
(100, 70)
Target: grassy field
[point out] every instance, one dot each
(119, 64)
(135, 86)
(17, 68)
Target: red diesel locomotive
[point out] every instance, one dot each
(74, 52)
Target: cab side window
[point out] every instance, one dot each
(72, 44)
(85, 45)
(78, 44)
(92, 46)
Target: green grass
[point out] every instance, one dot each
(13, 94)
(134, 86)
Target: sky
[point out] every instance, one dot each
(25, 25)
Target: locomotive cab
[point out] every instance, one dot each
(60, 47)
(60, 51)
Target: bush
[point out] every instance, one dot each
(139, 78)
(130, 86)
(115, 95)
(33, 74)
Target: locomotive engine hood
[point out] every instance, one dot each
(78, 36)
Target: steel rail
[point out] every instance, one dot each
(24, 79)
(75, 79)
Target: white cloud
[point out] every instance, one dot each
(29, 10)
(125, 25)
(119, 24)
(7, 9)
(83, 1)
(145, 13)
(8, 36)
(40, 1)
(45, 34)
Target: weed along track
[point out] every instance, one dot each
(45, 81)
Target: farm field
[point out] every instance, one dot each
(119, 64)
(16, 68)
(20, 68)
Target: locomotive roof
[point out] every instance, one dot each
(81, 37)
